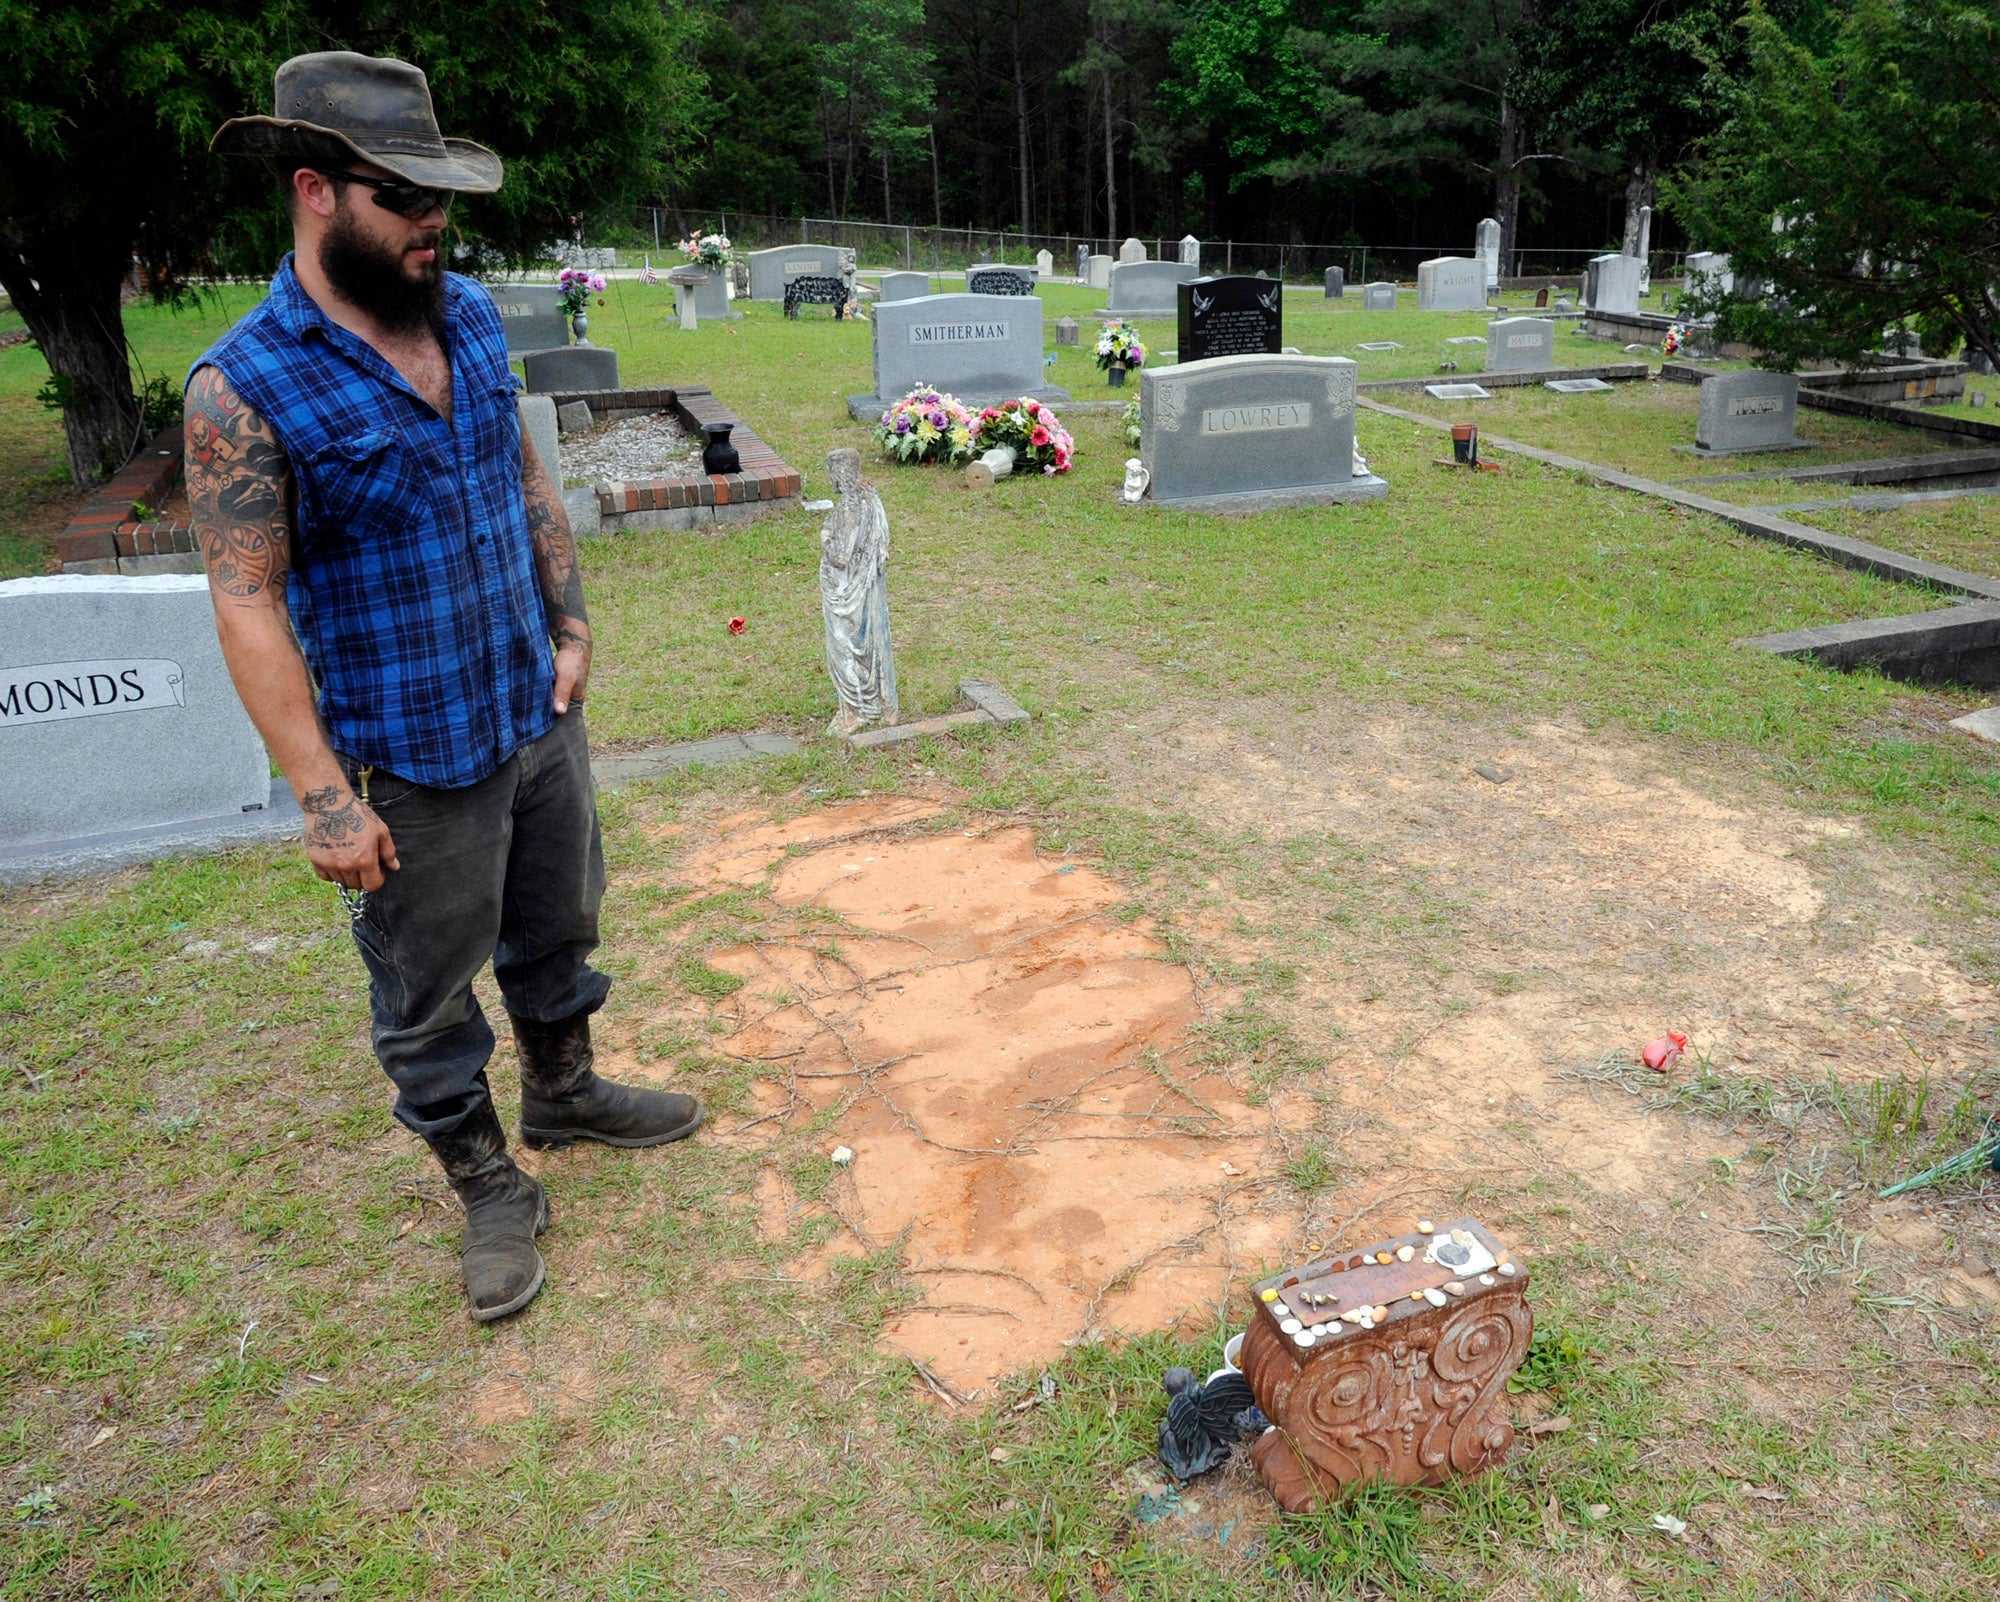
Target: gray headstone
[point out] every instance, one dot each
(1191, 251)
(572, 417)
(1612, 284)
(1645, 249)
(580, 367)
(1147, 288)
(1748, 411)
(538, 428)
(981, 348)
(573, 255)
(1097, 271)
(1083, 263)
(1486, 246)
(1336, 283)
(1240, 429)
(1045, 264)
(709, 291)
(1457, 392)
(1519, 344)
(1378, 297)
(905, 286)
(1131, 250)
(1066, 331)
(1451, 283)
(1708, 270)
(769, 269)
(116, 711)
(531, 316)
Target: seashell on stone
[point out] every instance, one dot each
(1405, 1253)
(1509, 1270)
(1291, 1326)
(1425, 1226)
(1463, 1237)
(1488, 1279)
(1455, 1286)
(1435, 1297)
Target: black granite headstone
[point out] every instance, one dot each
(1231, 317)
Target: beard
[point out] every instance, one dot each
(371, 276)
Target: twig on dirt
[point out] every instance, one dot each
(35, 1080)
(994, 1273)
(1078, 1112)
(1125, 1275)
(944, 1391)
(243, 1340)
(776, 1056)
(977, 1309)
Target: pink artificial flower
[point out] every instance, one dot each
(1039, 437)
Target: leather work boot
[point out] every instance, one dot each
(504, 1211)
(564, 1101)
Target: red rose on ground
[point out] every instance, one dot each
(737, 625)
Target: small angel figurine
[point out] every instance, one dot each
(854, 600)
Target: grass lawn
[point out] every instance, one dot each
(1963, 532)
(233, 1356)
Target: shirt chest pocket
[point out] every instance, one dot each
(500, 425)
(361, 486)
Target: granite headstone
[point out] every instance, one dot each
(1612, 284)
(1191, 251)
(991, 278)
(1748, 411)
(1045, 264)
(1520, 344)
(905, 286)
(707, 288)
(1378, 297)
(1234, 316)
(1147, 288)
(1451, 283)
(1486, 246)
(1336, 283)
(538, 428)
(769, 269)
(1236, 432)
(1645, 249)
(1131, 250)
(1708, 271)
(116, 711)
(981, 348)
(1097, 271)
(531, 316)
(556, 372)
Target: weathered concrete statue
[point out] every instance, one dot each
(854, 599)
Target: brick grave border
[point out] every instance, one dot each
(104, 537)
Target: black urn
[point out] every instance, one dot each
(718, 455)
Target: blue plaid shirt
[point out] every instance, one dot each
(413, 587)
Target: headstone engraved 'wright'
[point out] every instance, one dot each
(1520, 344)
(1378, 297)
(769, 269)
(1237, 432)
(1147, 288)
(981, 348)
(1451, 283)
(116, 711)
(1231, 317)
(1749, 411)
(531, 316)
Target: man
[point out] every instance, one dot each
(356, 474)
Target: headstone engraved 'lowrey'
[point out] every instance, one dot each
(1451, 283)
(1336, 283)
(1749, 411)
(1235, 433)
(1378, 297)
(769, 269)
(1147, 288)
(981, 348)
(905, 286)
(116, 711)
(531, 316)
(1520, 344)
(1611, 284)
(1231, 317)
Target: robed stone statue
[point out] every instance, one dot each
(854, 599)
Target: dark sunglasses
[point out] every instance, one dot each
(392, 194)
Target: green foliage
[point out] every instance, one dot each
(1557, 1358)
(1855, 178)
(1367, 1538)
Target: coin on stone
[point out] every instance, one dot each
(1291, 1326)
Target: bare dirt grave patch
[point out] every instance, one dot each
(1012, 1056)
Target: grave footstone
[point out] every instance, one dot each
(1612, 284)
(531, 316)
(1457, 392)
(1486, 246)
(555, 372)
(771, 269)
(572, 417)
(1748, 411)
(1147, 288)
(1378, 297)
(905, 286)
(981, 348)
(1336, 283)
(1238, 432)
(1233, 316)
(1520, 344)
(1577, 386)
(1097, 271)
(1451, 283)
(1131, 250)
(116, 711)
(1191, 251)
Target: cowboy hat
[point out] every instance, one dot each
(376, 107)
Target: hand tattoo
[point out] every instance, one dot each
(239, 490)
(334, 817)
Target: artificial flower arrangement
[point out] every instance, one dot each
(1118, 346)
(577, 285)
(926, 425)
(706, 250)
(1676, 340)
(1038, 439)
(1131, 422)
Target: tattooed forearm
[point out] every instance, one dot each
(239, 491)
(333, 816)
(556, 566)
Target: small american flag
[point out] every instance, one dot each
(649, 276)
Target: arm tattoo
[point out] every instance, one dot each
(239, 491)
(555, 557)
(334, 817)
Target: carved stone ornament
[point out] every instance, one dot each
(1419, 1397)
(1340, 390)
(1172, 400)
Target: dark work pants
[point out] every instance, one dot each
(510, 869)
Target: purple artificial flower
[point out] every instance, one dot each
(902, 425)
(938, 418)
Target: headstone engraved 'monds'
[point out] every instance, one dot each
(1378, 296)
(1231, 317)
(1486, 246)
(1451, 283)
(531, 316)
(1237, 432)
(1749, 411)
(905, 286)
(1147, 288)
(1131, 250)
(116, 711)
(1611, 284)
(769, 269)
(1520, 344)
(1336, 283)
(981, 348)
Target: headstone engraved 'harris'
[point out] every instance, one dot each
(1748, 411)
(531, 316)
(1147, 288)
(116, 711)
(1520, 344)
(1234, 433)
(1378, 296)
(1451, 283)
(1231, 317)
(981, 348)
(769, 269)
